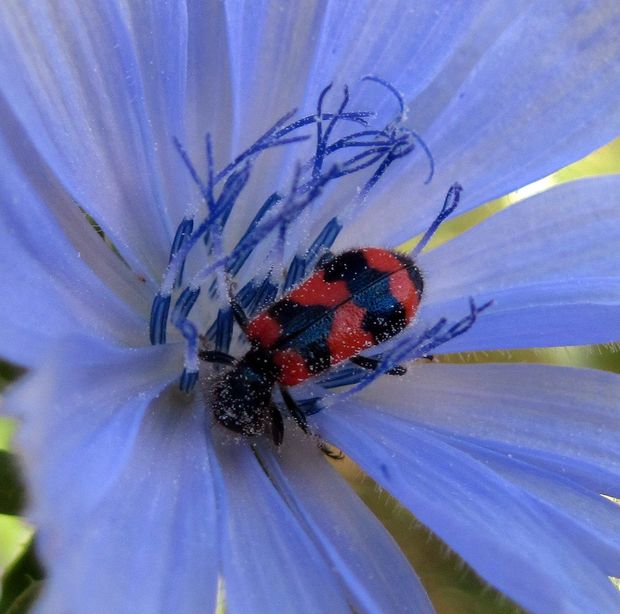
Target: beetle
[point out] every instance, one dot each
(351, 302)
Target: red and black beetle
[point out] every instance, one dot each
(351, 302)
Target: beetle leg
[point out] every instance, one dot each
(216, 356)
(372, 363)
(277, 425)
(300, 418)
(240, 316)
(294, 410)
(329, 452)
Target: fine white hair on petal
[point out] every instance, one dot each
(544, 414)
(586, 518)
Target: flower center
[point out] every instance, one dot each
(337, 153)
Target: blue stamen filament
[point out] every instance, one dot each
(182, 307)
(159, 318)
(183, 233)
(375, 149)
(394, 92)
(414, 346)
(450, 204)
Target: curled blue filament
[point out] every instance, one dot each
(337, 154)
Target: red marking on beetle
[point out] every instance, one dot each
(316, 291)
(382, 260)
(405, 292)
(347, 338)
(293, 367)
(264, 329)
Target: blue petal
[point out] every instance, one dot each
(555, 417)
(551, 431)
(208, 101)
(374, 571)
(85, 393)
(590, 521)
(71, 79)
(490, 522)
(289, 55)
(550, 264)
(59, 277)
(122, 488)
(268, 562)
(526, 92)
(182, 56)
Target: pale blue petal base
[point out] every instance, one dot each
(269, 563)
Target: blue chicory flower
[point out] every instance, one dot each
(144, 505)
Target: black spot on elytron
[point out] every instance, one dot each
(311, 343)
(376, 297)
(370, 289)
(383, 325)
(385, 316)
(345, 266)
(361, 278)
(317, 356)
(353, 268)
(415, 275)
(294, 318)
(403, 259)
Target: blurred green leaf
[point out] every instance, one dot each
(9, 373)
(21, 583)
(25, 600)
(12, 492)
(7, 427)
